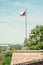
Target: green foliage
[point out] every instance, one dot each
(6, 55)
(7, 61)
(7, 58)
(16, 47)
(35, 40)
(26, 42)
(36, 34)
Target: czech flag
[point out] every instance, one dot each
(23, 13)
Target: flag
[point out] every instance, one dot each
(23, 13)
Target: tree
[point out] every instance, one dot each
(7, 58)
(16, 47)
(35, 40)
(26, 42)
(36, 34)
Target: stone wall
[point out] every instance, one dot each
(27, 57)
(35, 63)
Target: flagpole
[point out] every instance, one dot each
(26, 27)
(26, 23)
(25, 14)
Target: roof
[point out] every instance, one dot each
(26, 56)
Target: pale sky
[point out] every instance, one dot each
(12, 25)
